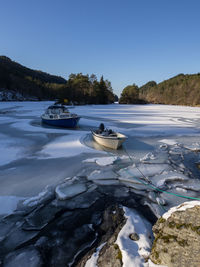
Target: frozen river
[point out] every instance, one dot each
(34, 156)
(157, 165)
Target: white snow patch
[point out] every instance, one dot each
(168, 142)
(33, 201)
(134, 252)
(181, 207)
(179, 189)
(102, 161)
(148, 156)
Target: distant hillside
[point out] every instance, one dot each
(27, 82)
(21, 83)
(179, 90)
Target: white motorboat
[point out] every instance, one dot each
(108, 138)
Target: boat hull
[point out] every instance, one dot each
(67, 123)
(110, 142)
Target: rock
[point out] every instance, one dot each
(177, 237)
(134, 237)
(110, 254)
(25, 257)
(110, 257)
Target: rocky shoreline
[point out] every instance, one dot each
(60, 232)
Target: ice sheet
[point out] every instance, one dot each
(65, 146)
(8, 204)
(11, 149)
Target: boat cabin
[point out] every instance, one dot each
(56, 110)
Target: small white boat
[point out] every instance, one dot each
(108, 138)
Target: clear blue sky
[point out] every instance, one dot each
(128, 41)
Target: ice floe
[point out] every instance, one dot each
(143, 170)
(37, 200)
(102, 161)
(68, 190)
(162, 179)
(102, 175)
(170, 142)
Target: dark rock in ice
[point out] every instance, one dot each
(112, 222)
(134, 237)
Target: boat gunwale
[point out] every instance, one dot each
(56, 119)
(109, 137)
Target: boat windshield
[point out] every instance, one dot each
(57, 110)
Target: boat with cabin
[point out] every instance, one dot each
(108, 138)
(59, 115)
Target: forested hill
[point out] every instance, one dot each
(179, 90)
(27, 82)
(21, 83)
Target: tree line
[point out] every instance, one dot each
(78, 89)
(87, 89)
(182, 89)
